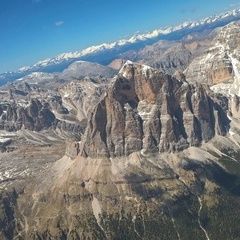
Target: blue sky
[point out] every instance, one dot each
(32, 30)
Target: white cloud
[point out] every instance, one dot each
(232, 5)
(59, 23)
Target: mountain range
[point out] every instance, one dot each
(134, 140)
(107, 52)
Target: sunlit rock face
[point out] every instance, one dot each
(218, 66)
(147, 110)
(35, 116)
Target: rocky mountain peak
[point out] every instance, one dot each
(147, 110)
(143, 79)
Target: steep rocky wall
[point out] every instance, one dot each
(147, 110)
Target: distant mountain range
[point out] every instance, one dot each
(107, 52)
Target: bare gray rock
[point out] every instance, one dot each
(147, 110)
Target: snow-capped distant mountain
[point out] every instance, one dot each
(138, 38)
(106, 52)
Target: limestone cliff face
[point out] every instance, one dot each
(212, 68)
(36, 116)
(147, 110)
(217, 64)
(81, 96)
